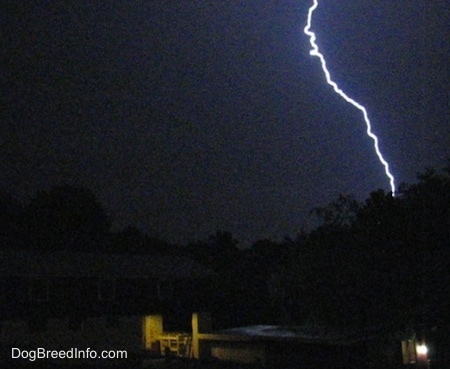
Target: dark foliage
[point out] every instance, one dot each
(381, 262)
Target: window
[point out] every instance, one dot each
(106, 289)
(409, 351)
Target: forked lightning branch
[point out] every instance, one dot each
(315, 52)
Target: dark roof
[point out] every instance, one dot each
(97, 265)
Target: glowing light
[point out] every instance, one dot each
(422, 349)
(315, 52)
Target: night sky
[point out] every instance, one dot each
(185, 117)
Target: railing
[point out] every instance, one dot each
(179, 344)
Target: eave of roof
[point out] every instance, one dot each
(61, 264)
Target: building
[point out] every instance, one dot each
(293, 347)
(274, 347)
(60, 300)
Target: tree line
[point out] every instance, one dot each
(384, 261)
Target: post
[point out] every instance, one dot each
(201, 323)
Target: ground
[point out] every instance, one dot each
(155, 363)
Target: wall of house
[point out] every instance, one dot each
(99, 333)
(206, 345)
(239, 352)
(152, 329)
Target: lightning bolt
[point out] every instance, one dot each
(315, 52)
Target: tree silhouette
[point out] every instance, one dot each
(380, 262)
(65, 217)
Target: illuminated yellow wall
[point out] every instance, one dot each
(152, 329)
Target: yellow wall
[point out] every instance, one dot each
(152, 329)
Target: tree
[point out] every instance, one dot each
(219, 251)
(339, 213)
(65, 217)
(132, 240)
(381, 262)
(427, 231)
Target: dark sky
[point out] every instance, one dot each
(189, 116)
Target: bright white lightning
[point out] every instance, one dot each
(315, 52)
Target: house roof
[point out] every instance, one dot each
(97, 265)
